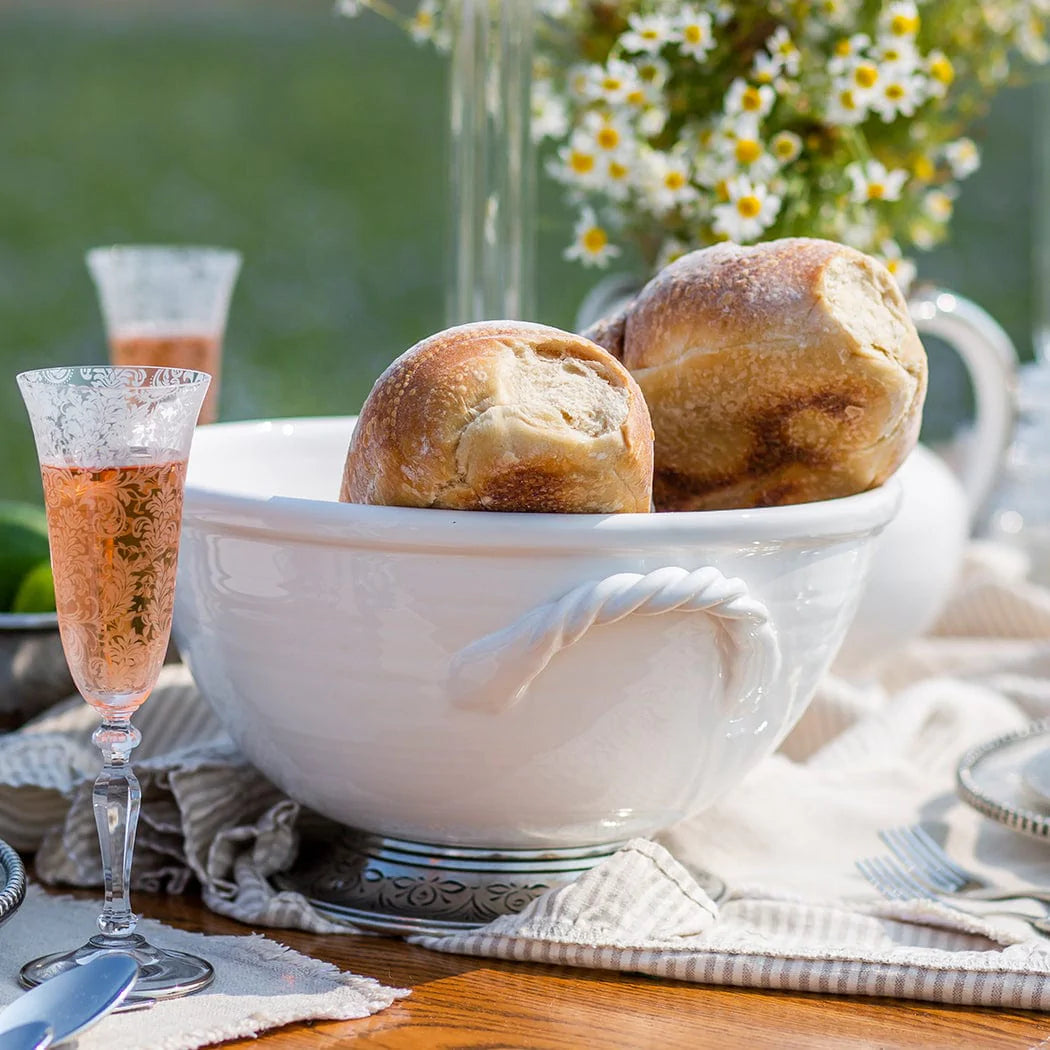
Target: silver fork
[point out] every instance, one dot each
(897, 883)
(929, 865)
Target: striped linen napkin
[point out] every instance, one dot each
(796, 914)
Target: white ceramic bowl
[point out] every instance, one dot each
(493, 680)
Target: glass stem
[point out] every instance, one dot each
(116, 799)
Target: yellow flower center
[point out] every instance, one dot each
(722, 190)
(765, 77)
(786, 48)
(924, 169)
(608, 138)
(891, 54)
(904, 25)
(674, 180)
(876, 191)
(749, 206)
(894, 92)
(784, 147)
(581, 163)
(893, 265)
(747, 151)
(636, 98)
(650, 34)
(866, 75)
(846, 100)
(612, 84)
(843, 48)
(594, 240)
(751, 100)
(942, 70)
(424, 19)
(617, 170)
(692, 34)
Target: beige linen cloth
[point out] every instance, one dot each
(796, 915)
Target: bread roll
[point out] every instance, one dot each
(503, 415)
(781, 373)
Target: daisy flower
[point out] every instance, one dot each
(665, 182)
(765, 69)
(872, 182)
(590, 245)
(785, 146)
(423, 24)
(605, 133)
(782, 48)
(941, 73)
(746, 154)
(652, 70)
(743, 97)
(847, 51)
(938, 205)
(899, 94)
(616, 175)
(550, 114)
(577, 163)
(846, 106)
(647, 33)
(903, 270)
(721, 11)
(611, 83)
(652, 122)
(749, 212)
(694, 33)
(900, 20)
(963, 157)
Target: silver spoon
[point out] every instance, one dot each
(73, 1000)
(33, 1036)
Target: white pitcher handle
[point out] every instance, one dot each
(493, 673)
(991, 359)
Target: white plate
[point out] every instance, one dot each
(1008, 779)
(1035, 775)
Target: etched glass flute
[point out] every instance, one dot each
(166, 305)
(113, 445)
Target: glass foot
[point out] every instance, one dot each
(163, 974)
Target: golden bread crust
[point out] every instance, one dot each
(503, 415)
(781, 373)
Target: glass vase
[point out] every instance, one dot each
(493, 182)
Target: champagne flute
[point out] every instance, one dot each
(113, 445)
(166, 305)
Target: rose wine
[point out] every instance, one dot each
(114, 546)
(202, 353)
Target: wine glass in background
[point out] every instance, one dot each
(113, 445)
(166, 306)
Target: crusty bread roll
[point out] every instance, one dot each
(503, 415)
(781, 373)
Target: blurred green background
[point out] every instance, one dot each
(316, 146)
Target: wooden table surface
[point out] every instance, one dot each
(483, 1004)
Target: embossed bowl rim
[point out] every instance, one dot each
(332, 523)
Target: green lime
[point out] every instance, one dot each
(23, 545)
(36, 592)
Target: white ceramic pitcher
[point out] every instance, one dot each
(917, 558)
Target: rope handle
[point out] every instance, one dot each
(493, 673)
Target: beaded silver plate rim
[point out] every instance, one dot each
(13, 889)
(1019, 818)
